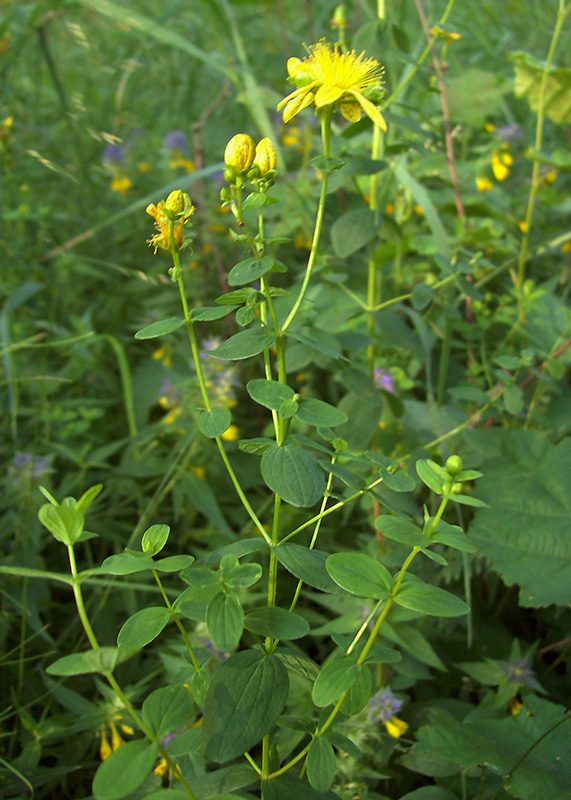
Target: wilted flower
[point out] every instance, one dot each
(328, 77)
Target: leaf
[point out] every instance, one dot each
(215, 422)
(306, 565)
(422, 296)
(353, 230)
(513, 398)
(244, 344)
(402, 531)
(298, 662)
(320, 764)
(210, 313)
(103, 660)
(475, 95)
(428, 599)
(276, 622)
(143, 626)
(431, 474)
(87, 498)
(127, 564)
(270, 394)
(359, 693)
(154, 539)
(349, 478)
(317, 412)
(124, 770)
(174, 563)
(225, 621)
(160, 328)
(336, 676)
(286, 787)
(167, 709)
(249, 270)
(398, 481)
(65, 523)
(526, 535)
(557, 93)
(360, 574)
(293, 474)
(453, 536)
(245, 698)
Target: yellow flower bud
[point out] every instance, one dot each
(265, 158)
(240, 152)
(175, 202)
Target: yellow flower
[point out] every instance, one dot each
(231, 434)
(515, 706)
(523, 226)
(116, 739)
(239, 153)
(161, 768)
(390, 208)
(121, 184)
(265, 158)
(501, 162)
(483, 184)
(179, 161)
(144, 166)
(200, 472)
(105, 748)
(328, 77)
(396, 727)
(164, 354)
(566, 247)
(302, 242)
(160, 214)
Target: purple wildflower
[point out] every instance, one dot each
(36, 465)
(384, 380)
(519, 671)
(383, 706)
(175, 140)
(510, 132)
(114, 154)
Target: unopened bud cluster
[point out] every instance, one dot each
(247, 161)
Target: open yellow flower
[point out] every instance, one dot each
(328, 77)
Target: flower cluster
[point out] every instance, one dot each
(170, 218)
(383, 707)
(328, 77)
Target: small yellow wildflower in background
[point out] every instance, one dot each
(328, 77)
(501, 163)
(396, 727)
(523, 226)
(178, 207)
(179, 161)
(483, 184)
(231, 434)
(566, 247)
(121, 184)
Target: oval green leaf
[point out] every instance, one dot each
(144, 626)
(215, 422)
(353, 230)
(249, 270)
(433, 600)
(245, 698)
(124, 770)
(334, 679)
(244, 345)
(360, 574)
(160, 328)
(316, 412)
(321, 764)
(276, 622)
(270, 394)
(225, 621)
(293, 474)
(307, 565)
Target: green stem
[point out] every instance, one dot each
(561, 15)
(326, 135)
(177, 621)
(79, 600)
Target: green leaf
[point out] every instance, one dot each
(402, 531)
(276, 622)
(167, 709)
(288, 409)
(557, 92)
(173, 563)
(124, 770)
(321, 764)
(431, 474)
(244, 316)
(298, 662)
(244, 344)
(241, 548)
(87, 498)
(526, 535)
(353, 230)
(143, 626)
(286, 787)
(65, 523)
(361, 384)
(306, 565)
(336, 676)
(360, 574)
(127, 564)
(215, 422)
(160, 328)
(398, 481)
(428, 599)
(242, 575)
(359, 693)
(103, 660)
(349, 478)
(225, 621)
(327, 163)
(154, 539)
(317, 412)
(270, 394)
(422, 296)
(475, 95)
(246, 696)
(293, 474)
(249, 270)
(513, 398)
(453, 536)
(210, 313)
(468, 500)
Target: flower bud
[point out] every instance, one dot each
(240, 152)
(175, 202)
(265, 158)
(454, 465)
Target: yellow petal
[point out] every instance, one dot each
(396, 727)
(326, 95)
(292, 65)
(105, 749)
(296, 105)
(370, 109)
(351, 111)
